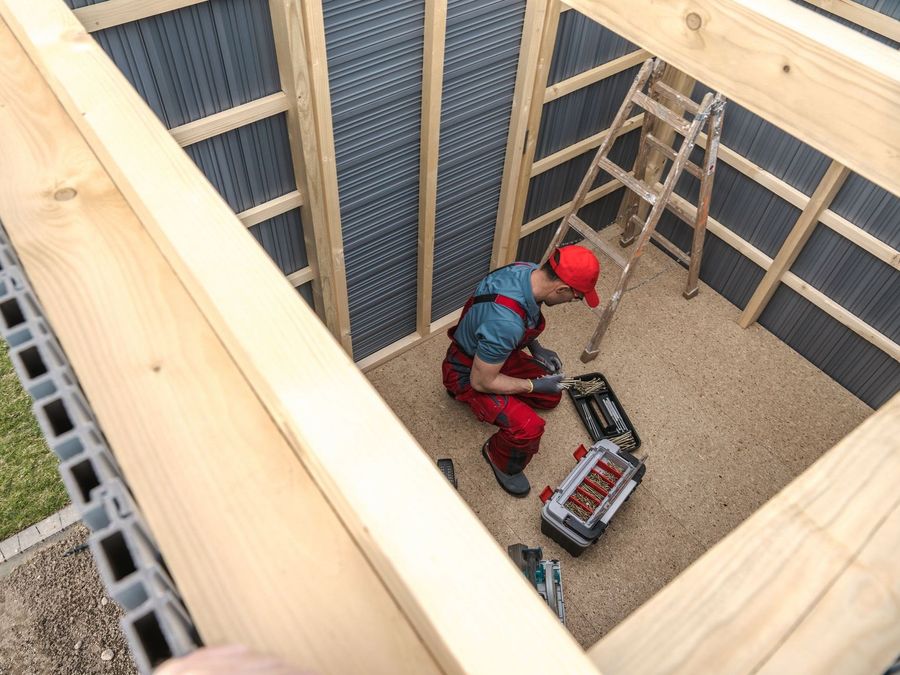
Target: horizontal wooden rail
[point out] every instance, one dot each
(297, 371)
(579, 148)
(540, 222)
(220, 122)
(595, 75)
(301, 277)
(686, 211)
(862, 16)
(824, 83)
(809, 583)
(116, 12)
(270, 209)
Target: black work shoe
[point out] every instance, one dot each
(515, 484)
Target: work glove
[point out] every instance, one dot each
(549, 358)
(549, 384)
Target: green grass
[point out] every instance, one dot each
(30, 486)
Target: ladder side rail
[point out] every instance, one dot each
(714, 133)
(591, 174)
(591, 350)
(630, 205)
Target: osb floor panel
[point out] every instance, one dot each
(727, 416)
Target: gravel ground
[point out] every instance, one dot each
(55, 616)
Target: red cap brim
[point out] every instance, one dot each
(591, 298)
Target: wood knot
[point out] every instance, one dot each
(64, 194)
(693, 21)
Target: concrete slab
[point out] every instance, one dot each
(69, 516)
(728, 417)
(10, 547)
(50, 525)
(29, 537)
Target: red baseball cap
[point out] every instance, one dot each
(580, 269)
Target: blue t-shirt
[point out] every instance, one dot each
(491, 331)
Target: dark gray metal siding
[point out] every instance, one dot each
(203, 59)
(375, 72)
(850, 276)
(481, 57)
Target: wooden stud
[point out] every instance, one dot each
(828, 187)
(116, 12)
(271, 208)
(302, 64)
(594, 75)
(825, 84)
(808, 583)
(535, 52)
(227, 120)
(234, 512)
(298, 372)
(432, 91)
(300, 277)
(862, 16)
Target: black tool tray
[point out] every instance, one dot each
(594, 411)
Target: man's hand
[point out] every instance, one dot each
(549, 384)
(549, 358)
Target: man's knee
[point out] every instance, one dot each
(529, 428)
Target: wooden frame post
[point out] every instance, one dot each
(827, 189)
(538, 40)
(432, 92)
(302, 64)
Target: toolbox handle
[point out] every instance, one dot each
(580, 452)
(589, 533)
(546, 493)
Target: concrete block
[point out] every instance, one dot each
(29, 537)
(50, 525)
(10, 547)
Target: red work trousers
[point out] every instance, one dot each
(521, 428)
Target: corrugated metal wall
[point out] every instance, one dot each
(581, 44)
(200, 60)
(850, 276)
(375, 73)
(481, 57)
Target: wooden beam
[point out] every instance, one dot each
(302, 65)
(116, 12)
(270, 209)
(541, 222)
(301, 277)
(217, 481)
(826, 84)
(862, 16)
(752, 602)
(582, 146)
(298, 372)
(594, 75)
(432, 91)
(685, 211)
(226, 120)
(828, 187)
(535, 52)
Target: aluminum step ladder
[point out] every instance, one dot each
(658, 197)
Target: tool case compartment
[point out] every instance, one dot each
(603, 415)
(578, 512)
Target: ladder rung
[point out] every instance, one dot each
(657, 109)
(639, 187)
(588, 233)
(692, 168)
(676, 97)
(662, 241)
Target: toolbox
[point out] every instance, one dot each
(601, 413)
(579, 510)
(544, 575)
